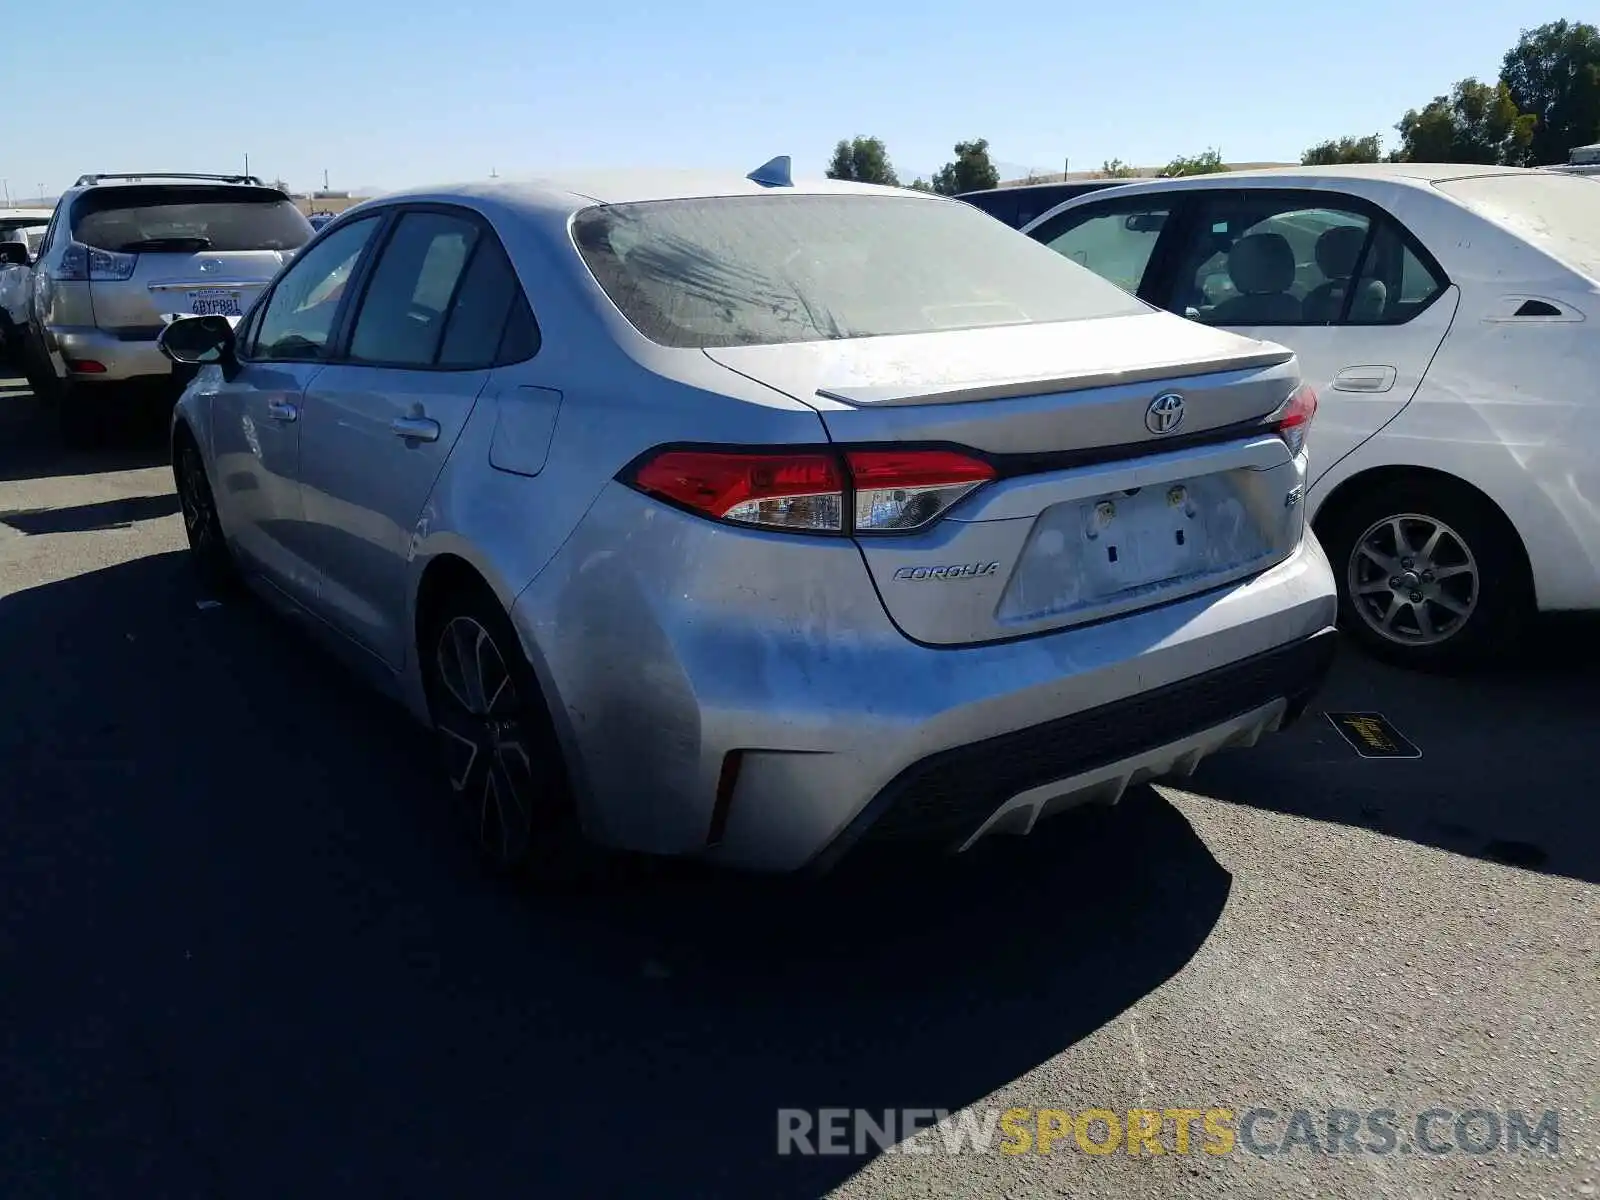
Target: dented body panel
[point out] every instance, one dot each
(700, 640)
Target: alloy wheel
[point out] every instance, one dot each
(1413, 579)
(194, 497)
(484, 734)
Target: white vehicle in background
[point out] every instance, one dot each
(21, 232)
(1446, 315)
(126, 253)
(1584, 160)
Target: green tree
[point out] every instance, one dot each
(1115, 168)
(919, 184)
(1367, 149)
(863, 160)
(970, 172)
(1553, 73)
(1476, 123)
(1209, 163)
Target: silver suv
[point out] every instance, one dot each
(123, 255)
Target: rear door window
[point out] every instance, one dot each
(133, 220)
(1258, 257)
(402, 317)
(481, 311)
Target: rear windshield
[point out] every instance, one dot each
(135, 219)
(764, 270)
(1560, 214)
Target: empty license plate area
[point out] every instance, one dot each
(1150, 544)
(214, 302)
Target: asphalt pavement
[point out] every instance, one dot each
(243, 955)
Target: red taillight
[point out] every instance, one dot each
(85, 366)
(895, 491)
(90, 264)
(781, 491)
(1293, 420)
(898, 490)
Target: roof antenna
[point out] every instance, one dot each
(774, 173)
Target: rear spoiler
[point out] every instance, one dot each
(957, 393)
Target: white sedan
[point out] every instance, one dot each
(1447, 317)
(21, 231)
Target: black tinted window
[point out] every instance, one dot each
(521, 339)
(402, 316)
(1000, 203)
(141, 219)
(478, 317)
(299, 316)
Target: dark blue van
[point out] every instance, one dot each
(1016, 206)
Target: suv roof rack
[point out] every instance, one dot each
(89, 180)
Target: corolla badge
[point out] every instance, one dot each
(975, 570)
(1165, 413)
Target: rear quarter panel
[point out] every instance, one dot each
(1513, 411)
(1509, 406)
(617, 396)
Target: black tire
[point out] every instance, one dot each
(11, 354)
(36, 369)
(208, 545)
(1457, 602)
(501, 760)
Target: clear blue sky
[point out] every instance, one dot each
(404, 92)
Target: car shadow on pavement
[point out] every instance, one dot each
(249, 958)
(84, 518)
(30, 447)
(1508, 770)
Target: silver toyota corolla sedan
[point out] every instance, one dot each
(758, 521)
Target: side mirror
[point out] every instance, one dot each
(197, 341)
(13, 254)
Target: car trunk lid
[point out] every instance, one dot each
(1107, 498)
(203, 283)
(1069, 386)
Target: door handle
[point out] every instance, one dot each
(282, 410)
(1364, 379)
(415, 429)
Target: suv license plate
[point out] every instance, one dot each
(214, 304)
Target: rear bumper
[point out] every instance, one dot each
(122, 359)
(743, 697)
(1005, 784)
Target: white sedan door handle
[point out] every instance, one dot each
(415, 429)
(1364, 379)
(282, 410)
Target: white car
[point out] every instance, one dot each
(21, 231)
(1446, 315)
